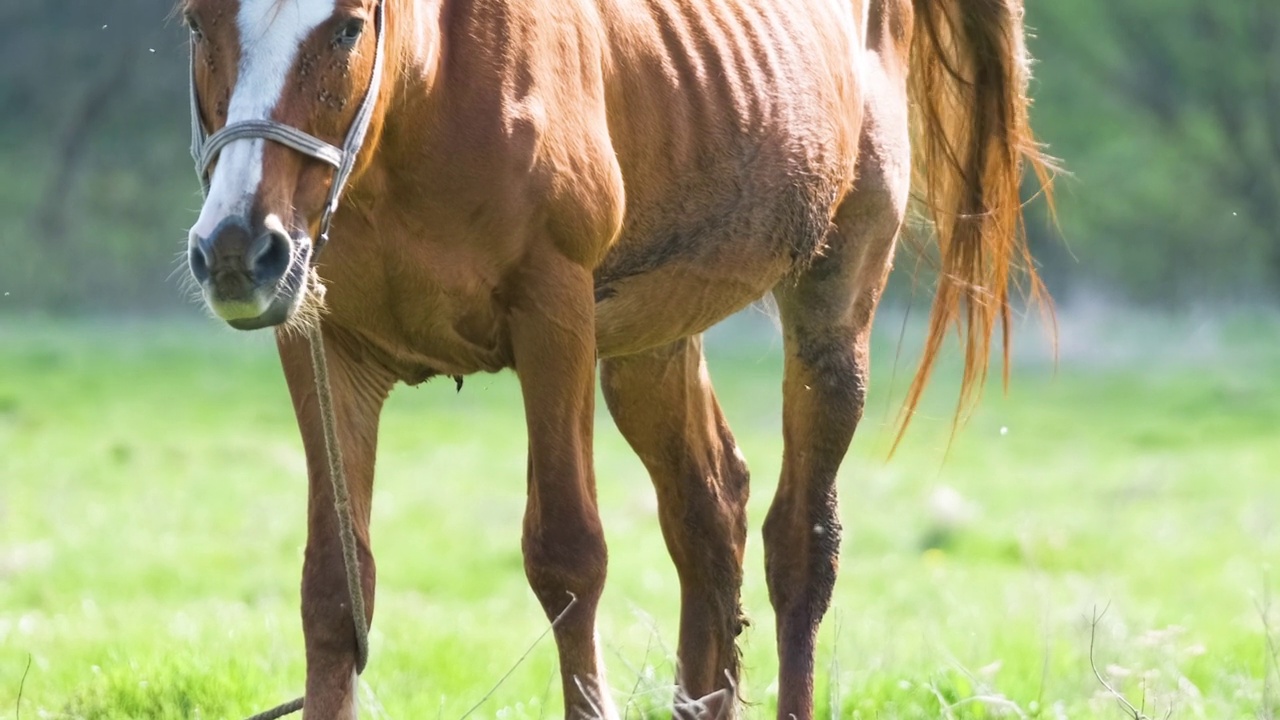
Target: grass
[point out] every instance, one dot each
(151, 526)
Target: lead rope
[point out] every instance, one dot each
(341, 497)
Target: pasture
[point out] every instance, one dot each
(152, 516)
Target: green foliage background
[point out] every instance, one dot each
(1167, 116)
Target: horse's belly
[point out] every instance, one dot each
(678, 300)
(733, 158)
(674, 274)
(688, 259)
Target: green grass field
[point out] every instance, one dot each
(152, 516)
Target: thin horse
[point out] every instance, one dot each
(544, 184)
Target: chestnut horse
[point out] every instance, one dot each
(544, 184)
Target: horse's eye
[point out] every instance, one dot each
(194, 26)
(348, 33)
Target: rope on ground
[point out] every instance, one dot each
(279, 711)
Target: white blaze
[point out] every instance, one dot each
(271, 32)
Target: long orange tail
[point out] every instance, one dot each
(971, 136)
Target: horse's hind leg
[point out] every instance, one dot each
(663, 403)
(826, 318)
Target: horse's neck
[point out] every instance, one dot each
(411, 68)
(476, 82)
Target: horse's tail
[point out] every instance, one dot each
(968, 92)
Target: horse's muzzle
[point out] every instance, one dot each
(251, 277)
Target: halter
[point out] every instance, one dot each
(205, 148)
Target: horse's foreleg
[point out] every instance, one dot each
(358, 391)
(553, 340)
(663, 403)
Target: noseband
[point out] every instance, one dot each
(205, 148)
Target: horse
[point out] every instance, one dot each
(551, 185)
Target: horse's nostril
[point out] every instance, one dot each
(198, 261)
(269, 257)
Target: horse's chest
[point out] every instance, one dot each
(429, 318)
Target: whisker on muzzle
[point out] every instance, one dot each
(310, 309)
(188, 288)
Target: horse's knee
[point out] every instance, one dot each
(565, 561)
(327, 621)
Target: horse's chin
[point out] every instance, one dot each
(287, 299)
(278, 313)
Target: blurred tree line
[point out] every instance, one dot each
(1167, 116)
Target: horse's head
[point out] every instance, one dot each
(301, 64)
